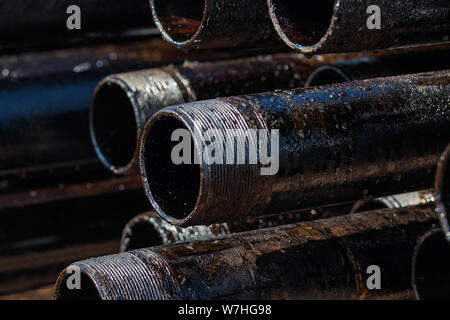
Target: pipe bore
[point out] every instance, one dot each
(88, 291)
(179, 20)
(431, 265)
(174, 188)
(304, 22)
(114, 129)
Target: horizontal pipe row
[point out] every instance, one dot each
(322, 259)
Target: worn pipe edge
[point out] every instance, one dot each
(430, 266)
(323, 26)
(442, 191)
(247, 265)
(218, 200)
(215, 23)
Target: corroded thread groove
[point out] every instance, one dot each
(338, 143)
(321, 259)
(125, 276)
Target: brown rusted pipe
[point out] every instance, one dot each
(213, 23)
(442, 191)
(123, 103)
(337, 143)
(430, 267)
(330, 26)
(322, 259)
(149, 229)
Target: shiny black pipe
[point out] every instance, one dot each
(25, 22)
(336, 143)
(331, 26)
(325, 259)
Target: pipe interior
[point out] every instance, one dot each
(180, 19)
(432, 267)
(326, 75)
(303, 22)
(175, 188)
(446, 188)
(143, 235)
(114, 125)
(88, 290)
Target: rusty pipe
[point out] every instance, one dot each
(331, 26)
(321, 259)
(442, 191)
(149, 230)
(213, 23)
(335, 143)
(430, 265)
(123, 103)
(386, 65)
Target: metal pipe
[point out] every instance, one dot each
(442, 191)
(321, 259)
(430, 267)
(386, 65)
(330, 26)
(45, 100)
(213, 23)
(44, 21)
(342, 142)
(123, 103)
(149, 229)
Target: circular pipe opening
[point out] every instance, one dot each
(178, 20)
(431, 266)
(114, 128)
(142, 234)
(326, 75)
(88, 290)
(173, 189)
(301, 23)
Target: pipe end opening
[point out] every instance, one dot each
(87, 290)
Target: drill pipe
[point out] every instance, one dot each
(44, 21)
(149, 230)
(335, 143)
(321, 259)
(442, 191)
(213, 23)
(136, 96)
(345, 25)
(45, 100)
(430, 267)
(381, 66)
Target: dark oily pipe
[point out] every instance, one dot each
(149, 229)
(35, 21)
(325, 258)
(123, 103)
(381, 66)
(430, 267)
(330, 26)
(213, 23)
(337, 143)
(396, 201)
(442, 191)
(45, 99)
